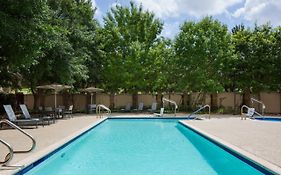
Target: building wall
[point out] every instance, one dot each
(272, 100)
(121, 100)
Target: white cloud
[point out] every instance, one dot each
(98, 13)
(162, 8)
(196, 8)
(94, 4)
(261, 11)
(170, 29)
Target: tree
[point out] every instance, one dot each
(129, 33)
(254, 65)
(20, 41)
(201, 50)
(68, 31)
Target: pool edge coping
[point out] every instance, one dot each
(239, 151)
(53, 147)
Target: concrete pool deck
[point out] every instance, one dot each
(261, 138)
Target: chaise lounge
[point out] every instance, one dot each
(23, 122)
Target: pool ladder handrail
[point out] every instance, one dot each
(200, 109)
(9, 156)
(101, 106)
(260, 102)
(245, 106)
(170, 101)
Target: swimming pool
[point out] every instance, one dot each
(268, 118)
(142, 147)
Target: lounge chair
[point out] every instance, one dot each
(160, 114)
(250, 113)
(153, 107)
(127, 108)
(12, 117)
(140, 107)
(27, 115)
(68, 112)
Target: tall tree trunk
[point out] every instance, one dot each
(186, 101)
(247, 97)
(111, 100)
(159, 101)
(135, 100)
(35, 99)
(214, 101)
(234, 103)
(279, 102)
(41, 97)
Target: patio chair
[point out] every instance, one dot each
(127, 108)
(59, 112)
(92, 108)
(140, 107)
(250, 113)
(49, 112)
(27, 115)
(153, 107)
(160, 114)
(12, 117)
(68, 112)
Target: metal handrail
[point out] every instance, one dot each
(10, 155)
(170, 101)
(101, 106)
(22, 131)
(260, 102)
(245, 106)
(200, 109)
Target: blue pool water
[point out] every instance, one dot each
(142, 147)
(268, 118)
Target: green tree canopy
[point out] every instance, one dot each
(201, 50)
(129, 35)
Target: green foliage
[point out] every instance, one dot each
(201, 50)
(68, 33)
(255, 63)
(130, 34)
(19, 37)
(59, 41)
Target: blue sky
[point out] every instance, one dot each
(230, 12)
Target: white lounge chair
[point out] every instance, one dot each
(127, 108)
(140, 107)
(12, 117)
(160, 114)
(250, 113)
(153, 107)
